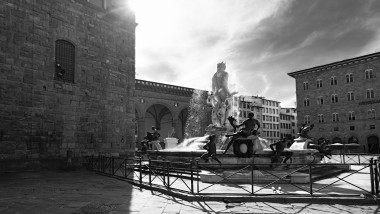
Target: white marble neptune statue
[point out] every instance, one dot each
(220, 98)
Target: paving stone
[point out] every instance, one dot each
(149, 210)
(172, 208)
(75, 193)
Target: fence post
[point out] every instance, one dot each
(378, 174)
(359, 159)
(92, 162)
(191, 177)
(252, 183)
(125, 168)
(163, 172)
(197, 176)
(344, 154)
(113, 165)
(140, 178)
(167, 170)
(99, 162)
(103, 158)
(310, 180)
(150, 172)
(376, 177)
(371, 174)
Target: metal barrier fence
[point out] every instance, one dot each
(351, 158)
(186, 177)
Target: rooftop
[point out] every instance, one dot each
(342, 63)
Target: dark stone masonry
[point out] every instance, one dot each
(67, 79)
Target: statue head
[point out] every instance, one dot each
(221, 66)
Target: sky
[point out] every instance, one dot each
(180, 42)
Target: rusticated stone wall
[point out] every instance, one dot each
(42, 116)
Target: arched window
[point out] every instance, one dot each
(369, 74)
(320, 100)
(306, 119)
(349, 77)
(337, 140)
(350, 96)
(353, 140)
(64, 61)
(306, 102)
(334, 98)
(351, 115)
(319, 83)
(333, 80)
(370, 93)
(371, 114)
(321, 118)
(305, 85)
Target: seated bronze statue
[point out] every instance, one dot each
(249, 129)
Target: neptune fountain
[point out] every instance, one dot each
(248, 150)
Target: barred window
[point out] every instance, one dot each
(64, 61)
(335, 117)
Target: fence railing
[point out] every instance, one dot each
(257, 178)
(350, 158)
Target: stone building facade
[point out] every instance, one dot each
(67, 78)
(271, 120)
(288, 123)
(342, 100)
(266, 112)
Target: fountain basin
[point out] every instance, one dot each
(304, 156)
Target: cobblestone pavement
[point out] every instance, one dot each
(84, 192)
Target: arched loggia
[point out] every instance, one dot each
(159, 116)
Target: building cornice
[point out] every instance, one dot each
(338, 64)
(163, 88)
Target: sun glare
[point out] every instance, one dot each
(134, 5)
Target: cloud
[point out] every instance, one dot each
(181, 41)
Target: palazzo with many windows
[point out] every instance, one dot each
(342, 100)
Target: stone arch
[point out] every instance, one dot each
(337, 140)
(161, 117)
(373, 144)
(353, 139)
